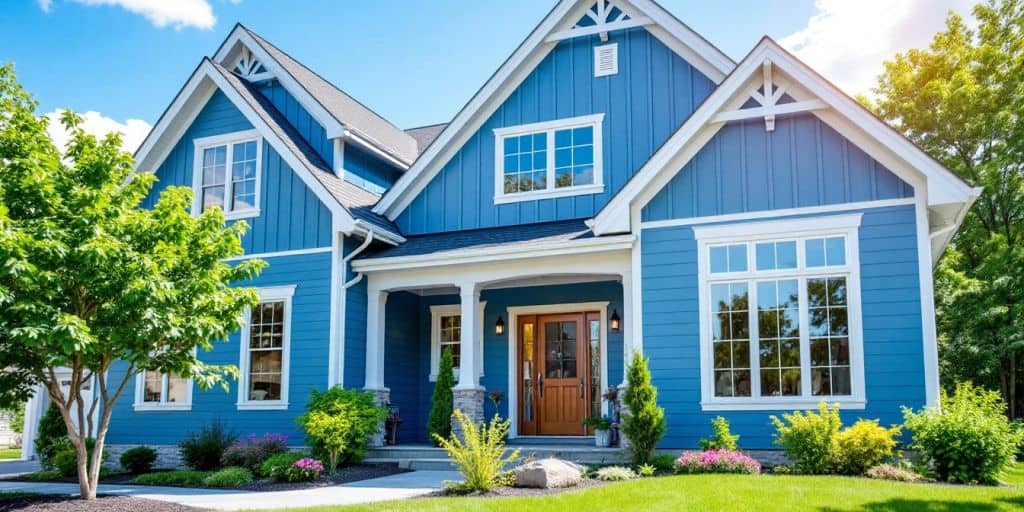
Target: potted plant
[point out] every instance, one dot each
(602, 430)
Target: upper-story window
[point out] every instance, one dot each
(551, 159)
(227, 174)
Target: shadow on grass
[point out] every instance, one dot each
(910, 505)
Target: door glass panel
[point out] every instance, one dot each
(560, 359)
(595, 368)
(528, 372)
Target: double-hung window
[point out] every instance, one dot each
(780, 314)
(551, 159)
(446, 332)
(162, 391)
(227, 174)
(265, 351)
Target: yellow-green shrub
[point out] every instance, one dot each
(808, 437)
(862, 446)
(479, 454)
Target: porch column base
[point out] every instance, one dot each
(471, 403)
(382, 397)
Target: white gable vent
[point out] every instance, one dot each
(606, 60)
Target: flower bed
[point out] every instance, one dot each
(716, 461)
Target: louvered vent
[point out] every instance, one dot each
(606, 60)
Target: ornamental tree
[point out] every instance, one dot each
(89, 278)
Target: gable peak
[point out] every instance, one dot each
(248, 66)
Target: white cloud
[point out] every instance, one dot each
(161, 13)
(133, 131)
(45, 5)
(847, 41)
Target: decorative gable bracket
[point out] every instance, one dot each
(769, 94)
(249, 67)
(603, 17)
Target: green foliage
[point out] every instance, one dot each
(663, 462)
(202, 450)
(252, 451)
(65, 461)
(894, 473)
(598, 422)
(17, 421)
(442, 403)
(281, 460)
(42, 476)
(808, 437)
(228, 477)
(722, 439)
(479, 454)
(184, 478)
(862, 446)
(968, 439)
(339, 421)
(645, 424)
(646, 470)
(138, 460)
(51, 437)
(614, 474)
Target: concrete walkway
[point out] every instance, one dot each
(394, 487)
(9, 468)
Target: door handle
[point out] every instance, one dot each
(581, 389)
(540, 385)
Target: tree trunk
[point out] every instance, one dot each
(1012, 384)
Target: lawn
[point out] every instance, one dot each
(10, 453)
(740, 492)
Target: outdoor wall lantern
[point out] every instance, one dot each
(499, 326)
(616, 322)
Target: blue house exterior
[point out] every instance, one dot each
(618, 186)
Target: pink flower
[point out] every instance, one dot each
(716, 461)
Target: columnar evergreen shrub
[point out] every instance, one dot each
(338, 422)
(807, 437)
(203, 449)
(439, 424)
(645, 424)
(722, 439)
(479, 453)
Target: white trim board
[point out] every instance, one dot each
(772, 214)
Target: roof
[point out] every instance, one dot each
(508, 236)
(425, 135)
(345, 109)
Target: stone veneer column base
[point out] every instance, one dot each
(382, 397)
(471, 403)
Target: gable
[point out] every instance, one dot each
(654, 91)
(802, 162)
(311, 131)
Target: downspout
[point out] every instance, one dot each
(345, 261)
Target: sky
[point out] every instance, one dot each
(120, 62)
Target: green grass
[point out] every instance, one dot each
(738, 493)
(10, 453)
(180, 477)
(13, 495)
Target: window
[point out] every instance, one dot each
(446, 332)
(265, 352)
(156, 390)
(550, 159)
(227, 174)
(780, 325)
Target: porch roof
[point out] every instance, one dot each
(521, 236)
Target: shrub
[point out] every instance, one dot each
(252, 451)
(808, 437)
(479, 455)
(968, 439)
(645, 424)
(138, 460)
(339, 421)
(281, 460)
(41, 476)
(663, 462)
(722, 439)
(228, 477)
(302, 470)
(203, 450)
(598, 422)
(890, 472)
(65, 461)
(439, 423)
(51, 437)
(862, 446)
(646, 470)
(188, 478)
(614, 474)
(716, 461)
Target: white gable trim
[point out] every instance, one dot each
(843, 114)
(668, 29)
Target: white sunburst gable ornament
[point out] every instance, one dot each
(606, 16)
(249, 67)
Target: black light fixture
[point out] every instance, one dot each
(499, 326)
(616, 322)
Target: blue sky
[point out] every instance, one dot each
(414, 62)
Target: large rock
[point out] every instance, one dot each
(547, 473)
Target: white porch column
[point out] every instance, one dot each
(468, 395)
(630, 341)
(375, 305)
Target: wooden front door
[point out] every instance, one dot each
(553, 369)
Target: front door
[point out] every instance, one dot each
(554, 360)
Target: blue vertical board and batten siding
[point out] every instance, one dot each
(368, 171)
(308, 127)
(653, 93)
(354, 330)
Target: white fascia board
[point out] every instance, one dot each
(175, 120)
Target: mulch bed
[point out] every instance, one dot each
(344, 475)
(509, 492)
(48, 503)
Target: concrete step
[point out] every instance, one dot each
(552, 441)
(408, 456)
(424, 464)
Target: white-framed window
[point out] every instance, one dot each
(226, 174)
(557, 158)
(265, 348)
(162, 392)
(446, 332)
(780, 317)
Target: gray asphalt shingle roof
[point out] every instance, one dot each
(425, 135)
(523, 235)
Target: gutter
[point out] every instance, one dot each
(345, 261)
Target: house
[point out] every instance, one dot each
(619, 185)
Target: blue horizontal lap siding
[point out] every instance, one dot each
(310, 339)
(653, 93)
(745, 168)
(890, 301)
(291, 216)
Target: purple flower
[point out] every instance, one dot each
(716, 461)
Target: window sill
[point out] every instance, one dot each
(549, 194)
(242, 214)
(257, 406)
(782, 405)
(161, 407)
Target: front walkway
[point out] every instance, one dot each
(400, 486)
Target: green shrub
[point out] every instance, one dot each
(188, 478)
(52, 436)
(442, 403)
(614, 474)
(479, 454)
(722, 439)
(303, 470)
(65, 461)
(281, 460)
(968, 439)
(645, 424)
(41, 476)
(862, 446)
(138, 460)
(646, 470)
(807, 437)
(202, 450)
(228, 477)
(890, 472)
(663, 462)
(252, 451)
(338, 422)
